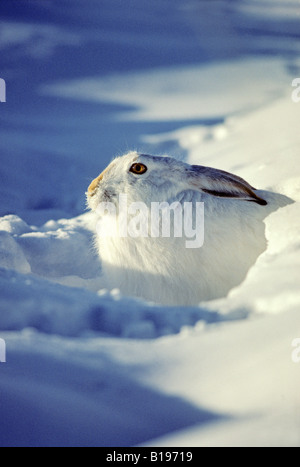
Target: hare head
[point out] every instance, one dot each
(147, 178)
(162, 269)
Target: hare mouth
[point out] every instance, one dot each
(108, 196)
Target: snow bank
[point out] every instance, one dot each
(27, 301)
(277, 9)
(242, 370)
(35, 40)
(185, 93)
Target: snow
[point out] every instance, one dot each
(281, 9)
(87, 366)
(185, 93)
(37, 41)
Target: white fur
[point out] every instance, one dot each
(163, 270)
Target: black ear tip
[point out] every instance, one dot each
(261, 202)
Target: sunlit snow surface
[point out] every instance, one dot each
(86, 366)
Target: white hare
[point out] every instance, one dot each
(164, 270)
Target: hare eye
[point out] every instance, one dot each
(138, 169)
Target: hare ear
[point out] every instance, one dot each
(222, 184)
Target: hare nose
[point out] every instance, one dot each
(95, 183)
